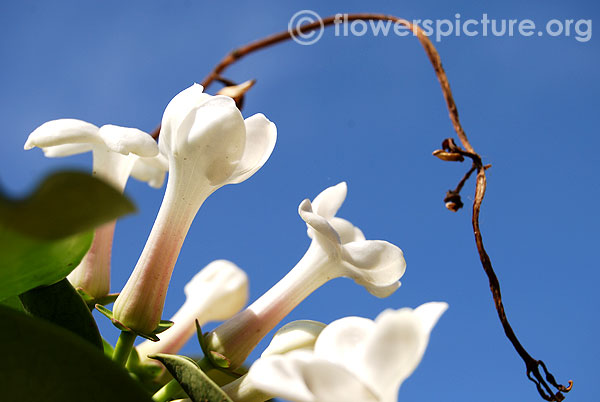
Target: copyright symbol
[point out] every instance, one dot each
(301, 18)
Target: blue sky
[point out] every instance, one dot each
(368, 111)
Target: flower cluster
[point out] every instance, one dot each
(205, 144)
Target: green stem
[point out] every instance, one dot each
(123, 347)
(167, 392)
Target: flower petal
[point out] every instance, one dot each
(301, 377)
(430, 313)
(396, 347)
(374, 264)
(330, 382)
(346, 230)
(294, 335)
(184, 103)
(319, 226)
(393, 350)
(58, 151)
(330, 200)
(281, 375)
(213, 138)
(63, 131)
(151, 170)
(261, 135)
(382, 291)
(126, 140)
(341, 341)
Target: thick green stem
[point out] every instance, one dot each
(123, 347)
(166, 393)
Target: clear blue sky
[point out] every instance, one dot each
(368, 111)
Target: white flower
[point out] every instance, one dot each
(118, 152)
(115, 149)
(208, 145)
(337, 249)
(354, 360)
(215, 293)
(377, 265)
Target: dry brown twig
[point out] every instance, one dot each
(450, 152)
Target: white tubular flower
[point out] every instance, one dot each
(208, 145)
(117, 153)
(337, 249)
(215, 293)
(354, 360)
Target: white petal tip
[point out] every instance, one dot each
(329, 201)
(342, 185)
(430, 313)
(305, 206)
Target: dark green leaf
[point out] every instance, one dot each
(192, 379)
(64, 203)
(26, 263)
(13, 302)
(61, 304)
(44, 362)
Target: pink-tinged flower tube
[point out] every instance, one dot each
(338, 249)
(354, 359)
(216, 293)
(208, 145)
(118, 152)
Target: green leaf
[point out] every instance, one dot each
(26, 263)
(13, 302)
(192, 379)
(63, 204)
(43, 362)
(61, 304)
(43, 237)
